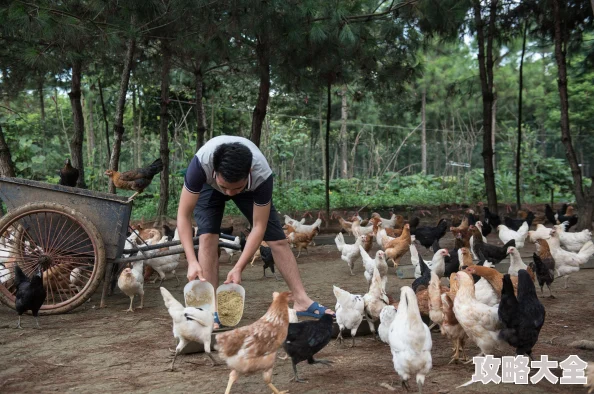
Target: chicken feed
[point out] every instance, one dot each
(230, 305)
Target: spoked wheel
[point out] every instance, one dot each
(61, 242)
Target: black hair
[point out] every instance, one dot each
(232, 161)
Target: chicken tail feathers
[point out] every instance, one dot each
(170, 301)
(19, 276)
(586, 251)
(155, 167)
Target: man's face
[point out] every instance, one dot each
(229, 188)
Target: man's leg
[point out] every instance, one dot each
(287, 265)
(208, 214)
(281, 252)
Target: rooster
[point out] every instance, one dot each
(68, 175)
(137, 180)
(250, 349)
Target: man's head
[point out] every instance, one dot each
(232, 164)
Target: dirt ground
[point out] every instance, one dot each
(108, 350)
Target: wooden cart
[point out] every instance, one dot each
(72, 234)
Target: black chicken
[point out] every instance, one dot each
(491, 219)
(568, 217)
(168, 232)
(227, 230)
(515, 224)
(489, 252)
(68, 175)
(30, 293)
(544, 271)
(522, 317)
(266, 255)
(550, 214)
(414, 223)
(425, 277)
(305, 339)
(426, 235)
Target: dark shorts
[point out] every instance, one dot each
(210, 208)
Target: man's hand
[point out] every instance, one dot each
(195, 271)
(234, 276)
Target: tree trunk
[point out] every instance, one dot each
(344, 171)
(76, 141)
(138, 130)
(136, 152)
(164, 140)
(494, 128)
(322, 140)
(259, 114)
(90, 136)
(423, 134)
(519, 148)
(41, 109)
(486, 75)
(327, 150)
(212, 116)
(118, 125)
(585, 202)
(6, 164)
(200, 113)
(106, 122)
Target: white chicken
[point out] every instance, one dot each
(165, 264)
(410, 341)
(293, 222)
(516, 262)
(349, 253)
(381, 236)
(374, 300)
(506, 234)
(566, 262)
(437, 263)
(232, 252)
(349, 312)
(308, 228)
(480, 321)
(386, 317)
(541, 232)
(485, 293)
(189, 325)
(369, 264)
(573, 242)
(131, 282)
(359, 230)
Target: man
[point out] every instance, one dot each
(233, 168)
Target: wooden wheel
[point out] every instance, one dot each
(59, 240)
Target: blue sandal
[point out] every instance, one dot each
(218, 321)
(313, 308)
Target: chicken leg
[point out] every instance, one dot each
(550, 292)
(132, 197)
(296, 377)
(37, 322)
(19, 323)
(130, 309)
(232, 378)
(267, 375)
(141, 301)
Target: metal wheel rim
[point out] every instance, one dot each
(29, 261)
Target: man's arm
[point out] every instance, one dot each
(187, 202)
(261, 214)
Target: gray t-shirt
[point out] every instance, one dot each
(201, 169)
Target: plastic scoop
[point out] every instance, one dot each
(199, 294)
(221, 307)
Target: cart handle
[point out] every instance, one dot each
(175, 243)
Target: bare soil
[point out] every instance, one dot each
(108, 350)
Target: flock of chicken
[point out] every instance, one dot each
(480, 303)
